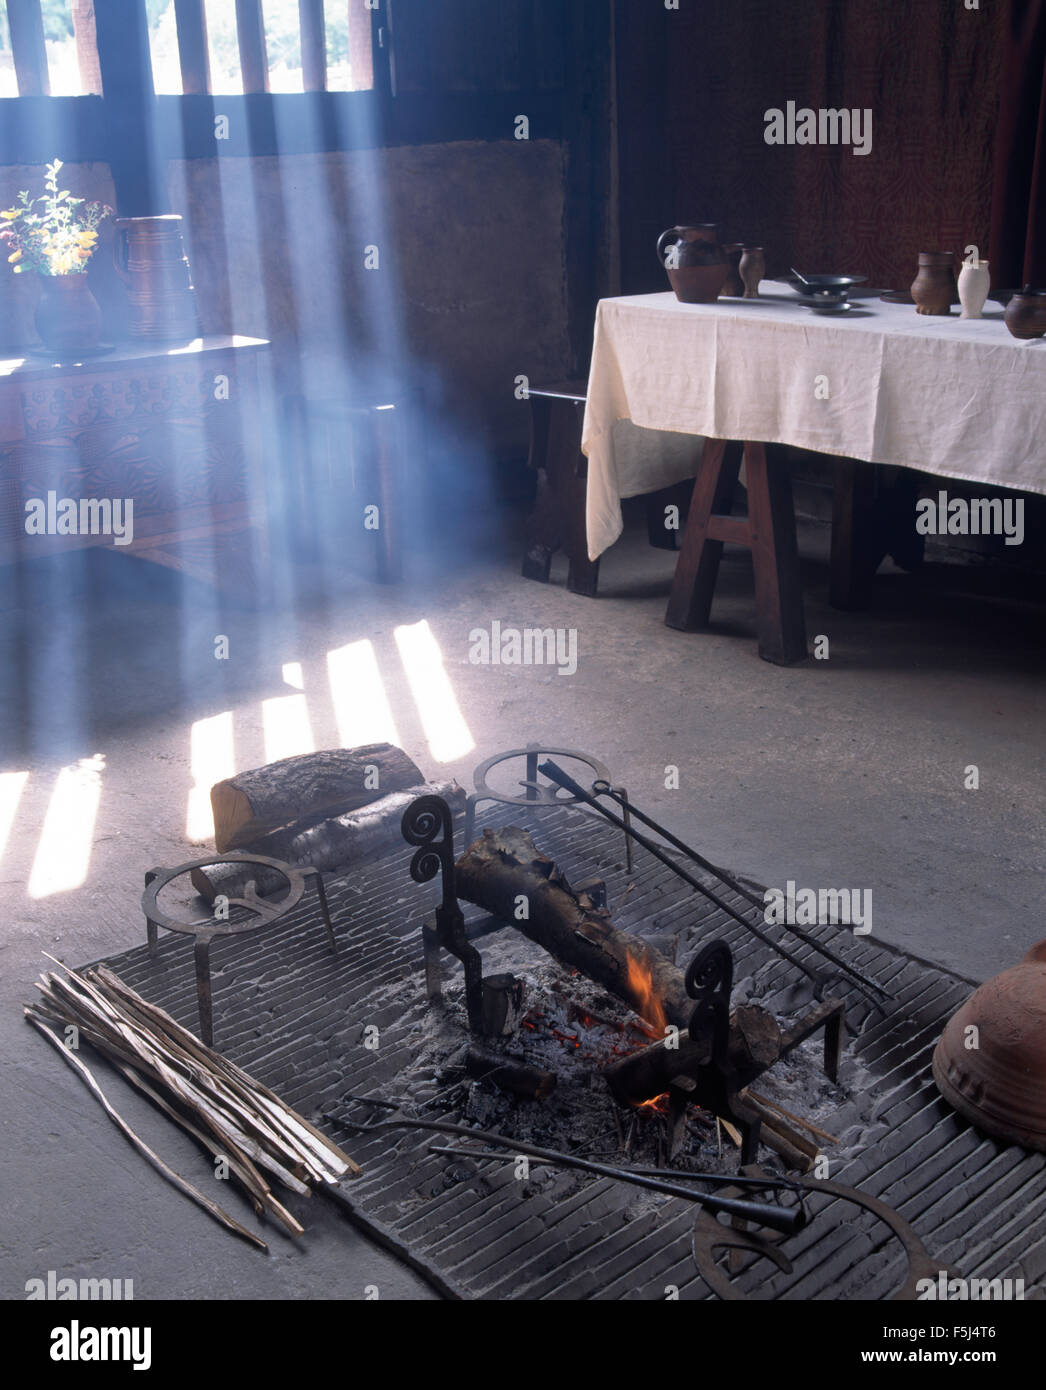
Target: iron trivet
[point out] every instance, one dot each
(264, 912)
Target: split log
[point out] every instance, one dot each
(512, 1074)
(332, 844)
(306, 789)
(505, 866)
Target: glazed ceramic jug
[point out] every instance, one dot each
(1025, 315)
(696, 264)
(974, 284)
(934, 289)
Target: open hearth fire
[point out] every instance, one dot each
(601, 1055)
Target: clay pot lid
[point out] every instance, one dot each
(999, 1084)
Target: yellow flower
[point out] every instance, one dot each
(9, 213)
(16, 257)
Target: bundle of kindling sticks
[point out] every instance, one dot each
(240, 1122)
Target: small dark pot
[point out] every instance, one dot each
(68, 318)
(935, 289)
(1025, 315)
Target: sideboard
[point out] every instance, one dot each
(178, 431)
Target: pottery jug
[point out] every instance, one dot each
(752, 268)
(68, 318)
(974, 284)
(695, 262)
(998, 1082)
(934, 289)
(149, 256)
(1025, 315)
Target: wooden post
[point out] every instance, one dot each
(361, 46)
(250, 34)
(313, 45)
(26, 22)
(87, 48)
(193, 54)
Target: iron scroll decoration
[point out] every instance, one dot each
(710, 980)
(422, 823)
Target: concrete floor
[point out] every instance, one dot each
(841, 772)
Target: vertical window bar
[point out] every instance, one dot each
(87, 48)
(192, 47)
(361, 52)
(250, 34)
(26, 23)
(313, 45)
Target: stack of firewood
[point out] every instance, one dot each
(245, 1126)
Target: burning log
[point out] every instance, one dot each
(753, 1044)
(306, 789)
(512, 1074)
(332, 844)
(506, 874)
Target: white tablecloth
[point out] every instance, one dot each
(961, 398)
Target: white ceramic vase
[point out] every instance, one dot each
(974, 283)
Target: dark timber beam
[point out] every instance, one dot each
(129, 106)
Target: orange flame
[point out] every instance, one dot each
(646, 1003)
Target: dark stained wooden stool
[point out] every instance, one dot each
(353, 444)
(768, 531)
(557, 522)
(557, 415)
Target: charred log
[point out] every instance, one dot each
(512, 1074)
(507, 875)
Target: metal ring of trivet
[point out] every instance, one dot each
(205, 929)
(710, 1235)
(537, 793)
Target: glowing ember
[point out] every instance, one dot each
(647, 1004)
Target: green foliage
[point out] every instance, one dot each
(55, 234)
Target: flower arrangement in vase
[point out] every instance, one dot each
(55, 236)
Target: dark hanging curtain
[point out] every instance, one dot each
(1018, 232)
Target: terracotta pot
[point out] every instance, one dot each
(1000, 1083)
(694, 261)
(1025, 315)
(733, 285)
(753, 269)
(149, 255)
(934, 289)
(68, 318)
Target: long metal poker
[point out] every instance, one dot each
(556, 774)
(788, 1220)
(602, 788)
